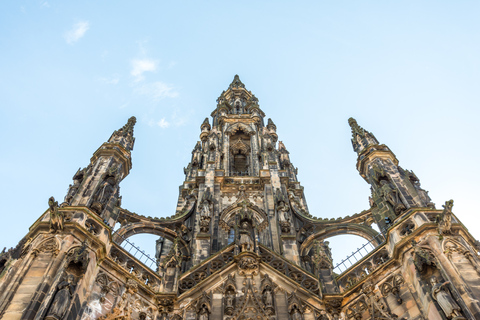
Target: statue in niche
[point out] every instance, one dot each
(184, 232)
(77, 181)
(203, 313)
(391, 196)
(284, 214)
(204, 222)
(229, 299)
(268, 296)
(307, 262)
(229, 302)
(159, 247)
(245, 242)
(442, 295)
(282, 206)
(296, 314)
(56, 217)
(423, 194)
(61, 301)
(103, 194)
(205, 209)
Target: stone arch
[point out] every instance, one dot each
(148, 227)
(49, 244)
(142, 227)
(232, 129)
(228, 215)
(360, 230)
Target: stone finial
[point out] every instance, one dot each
(361, 138)
(271, 125)
(253, 99)
(236, 83)
(356, 129)
(124, 135)
(205, 124)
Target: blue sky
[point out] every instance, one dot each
(73, 72)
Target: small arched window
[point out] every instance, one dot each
(231, 236)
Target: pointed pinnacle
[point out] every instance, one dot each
(128, 127)
(205, 124)
(356, 129)
(236, 83)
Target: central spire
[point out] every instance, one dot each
(237, 101)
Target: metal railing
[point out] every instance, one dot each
(240, 173)
(357, 255)
(143, 257)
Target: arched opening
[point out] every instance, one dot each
(348, 249)
(240, 153)
(231, 236)
(143, 248)
(240, 162)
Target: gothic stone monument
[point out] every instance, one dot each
(242, 244)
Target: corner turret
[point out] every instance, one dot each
(394, 190)
(97, 185)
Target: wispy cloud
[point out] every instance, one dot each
(77, 32)
(163, 123)
(45, 4)
(157, 90)
(115, 79)
(140, 66)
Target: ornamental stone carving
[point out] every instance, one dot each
(247, 264)
(56, 216)
(442, 295)
(62, 298)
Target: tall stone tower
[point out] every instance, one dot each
(242, 243)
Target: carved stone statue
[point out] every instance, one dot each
(229, 299)
(229, 302)
(267, 296)
(103, 194)
(205, 212)
(205, 209)
(204, 223)
(284, 214)
(184, 231)
(245, 242)
(77, 181)
(56, 217)
(423, 194)
(61, 301)
(444, 219)
(442, 295)
(203, 313)
(391, 196)
(296, 315)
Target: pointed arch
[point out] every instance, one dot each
(232, 129)
(360, 230)
(227, 216)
